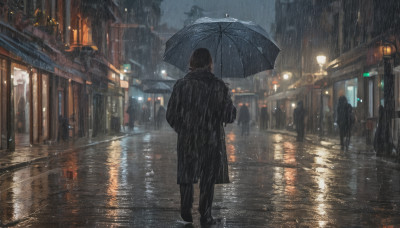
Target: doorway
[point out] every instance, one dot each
(21, 104)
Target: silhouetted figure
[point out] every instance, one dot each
(145, 116)
(131, 112)
(160, 117)
(21, 116)
(278, 117)
(298, 118)
(199, 106)
(264, 118)
(345, 119)
(244, 119)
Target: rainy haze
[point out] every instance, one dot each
(199, 113)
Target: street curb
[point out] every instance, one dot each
(26, 163)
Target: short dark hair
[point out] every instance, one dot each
(201, 58)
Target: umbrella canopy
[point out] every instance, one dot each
(157, 87)
(238, 48)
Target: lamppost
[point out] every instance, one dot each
(388, 94)
(321, 60)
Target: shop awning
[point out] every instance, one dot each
(289, 94)
(28, 52)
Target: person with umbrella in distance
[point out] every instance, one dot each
(199, 106)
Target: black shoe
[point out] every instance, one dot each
(209, 221)
(187, 217)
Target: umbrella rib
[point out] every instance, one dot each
(237, 47)
(206, 37)
(265, 57)
(183, 40)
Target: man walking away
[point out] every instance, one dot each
(200, 104)
(298, 117)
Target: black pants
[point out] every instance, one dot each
(245, 128)
(345, 134)
(207, 182)
(300, 133)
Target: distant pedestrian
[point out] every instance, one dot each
(160, 117)
(131, 112)
(298, 118)
(199, 106)
(264, 118)
(145, 116)
(278, 117)
(344, 121)
(244, 119)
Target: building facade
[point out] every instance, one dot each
(59, 70)
(351, 35)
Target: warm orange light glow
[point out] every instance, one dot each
(387, 50)
(230, 148)
(149, 99)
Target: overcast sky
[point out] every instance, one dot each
(261, 12)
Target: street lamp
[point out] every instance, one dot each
(286, 76)
(388, 49)
(321, 60)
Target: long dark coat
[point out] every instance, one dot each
(199, 106)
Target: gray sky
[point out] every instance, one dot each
(261, 12)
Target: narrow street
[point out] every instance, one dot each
(276, 182)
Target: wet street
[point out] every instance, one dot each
(276, 182)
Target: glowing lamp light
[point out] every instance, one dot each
(140, 98)
(387, 50)
(321, 59)
(286, 76)
(293, 105)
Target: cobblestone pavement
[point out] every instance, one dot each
(276, 182)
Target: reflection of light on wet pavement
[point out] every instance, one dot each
(20, 191)
(230, 148)
(278, 153)
(322, 176)
(290, 180)
(113, 162)
(146, 137)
